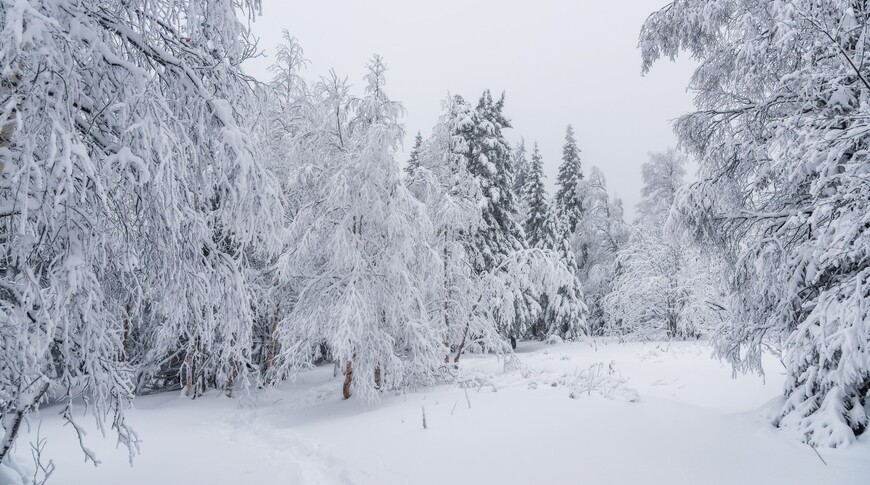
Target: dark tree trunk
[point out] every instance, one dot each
(348, 377)
(273, 341)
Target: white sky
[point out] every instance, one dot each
(559, 62)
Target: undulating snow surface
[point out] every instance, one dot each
(640, 413)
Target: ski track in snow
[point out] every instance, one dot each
(591, 412)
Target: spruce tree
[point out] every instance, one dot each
(521, 168)
(490, 162)
(565, 311)
(500, 235)
(414, 157)
(452, 197)
(568, 199)
(537, 230)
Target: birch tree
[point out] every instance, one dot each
(359, 257)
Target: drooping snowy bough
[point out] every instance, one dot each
(782, 137)
(130, 195)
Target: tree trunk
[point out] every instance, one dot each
(461, 344)
(231, 381)
(188, 374)
(378, 377)
(348, 377)
(8, 129)
(348, 371)
(446, 298)
(273, 342)
(125, 336)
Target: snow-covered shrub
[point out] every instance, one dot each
(554, 340)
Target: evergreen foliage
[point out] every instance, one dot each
(569, 200)
(538, 226)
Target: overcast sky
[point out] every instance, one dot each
(558, 61)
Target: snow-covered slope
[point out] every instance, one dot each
(595, 413)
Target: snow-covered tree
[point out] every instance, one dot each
(521, 169)
(289, 114)
(537, 225)
(476, 308)
(569, 199)
(781, 139)
(663, 288)
(490, 162)
(414, 156)
(664, 285)
(287, 86)
(565, 311)
(285, 96)
(663, 175)
(599, 235)
(500, 234)
(452, 197)
(131, 191)
(538, 282)
(359, 257)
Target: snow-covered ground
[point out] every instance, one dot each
(593, 412)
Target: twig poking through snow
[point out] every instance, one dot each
(817, 454)
(40, 467)
(424, 417)
(466, 397)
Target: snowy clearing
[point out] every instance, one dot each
(641, 413)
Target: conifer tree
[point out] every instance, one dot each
(569, 201)
(490, 163)
(521, 168)
(452, 199)
(481, 308)
(565, 310)
(414, 156)
(500, 235)
(537, 225)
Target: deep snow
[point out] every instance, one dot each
(652, 413)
